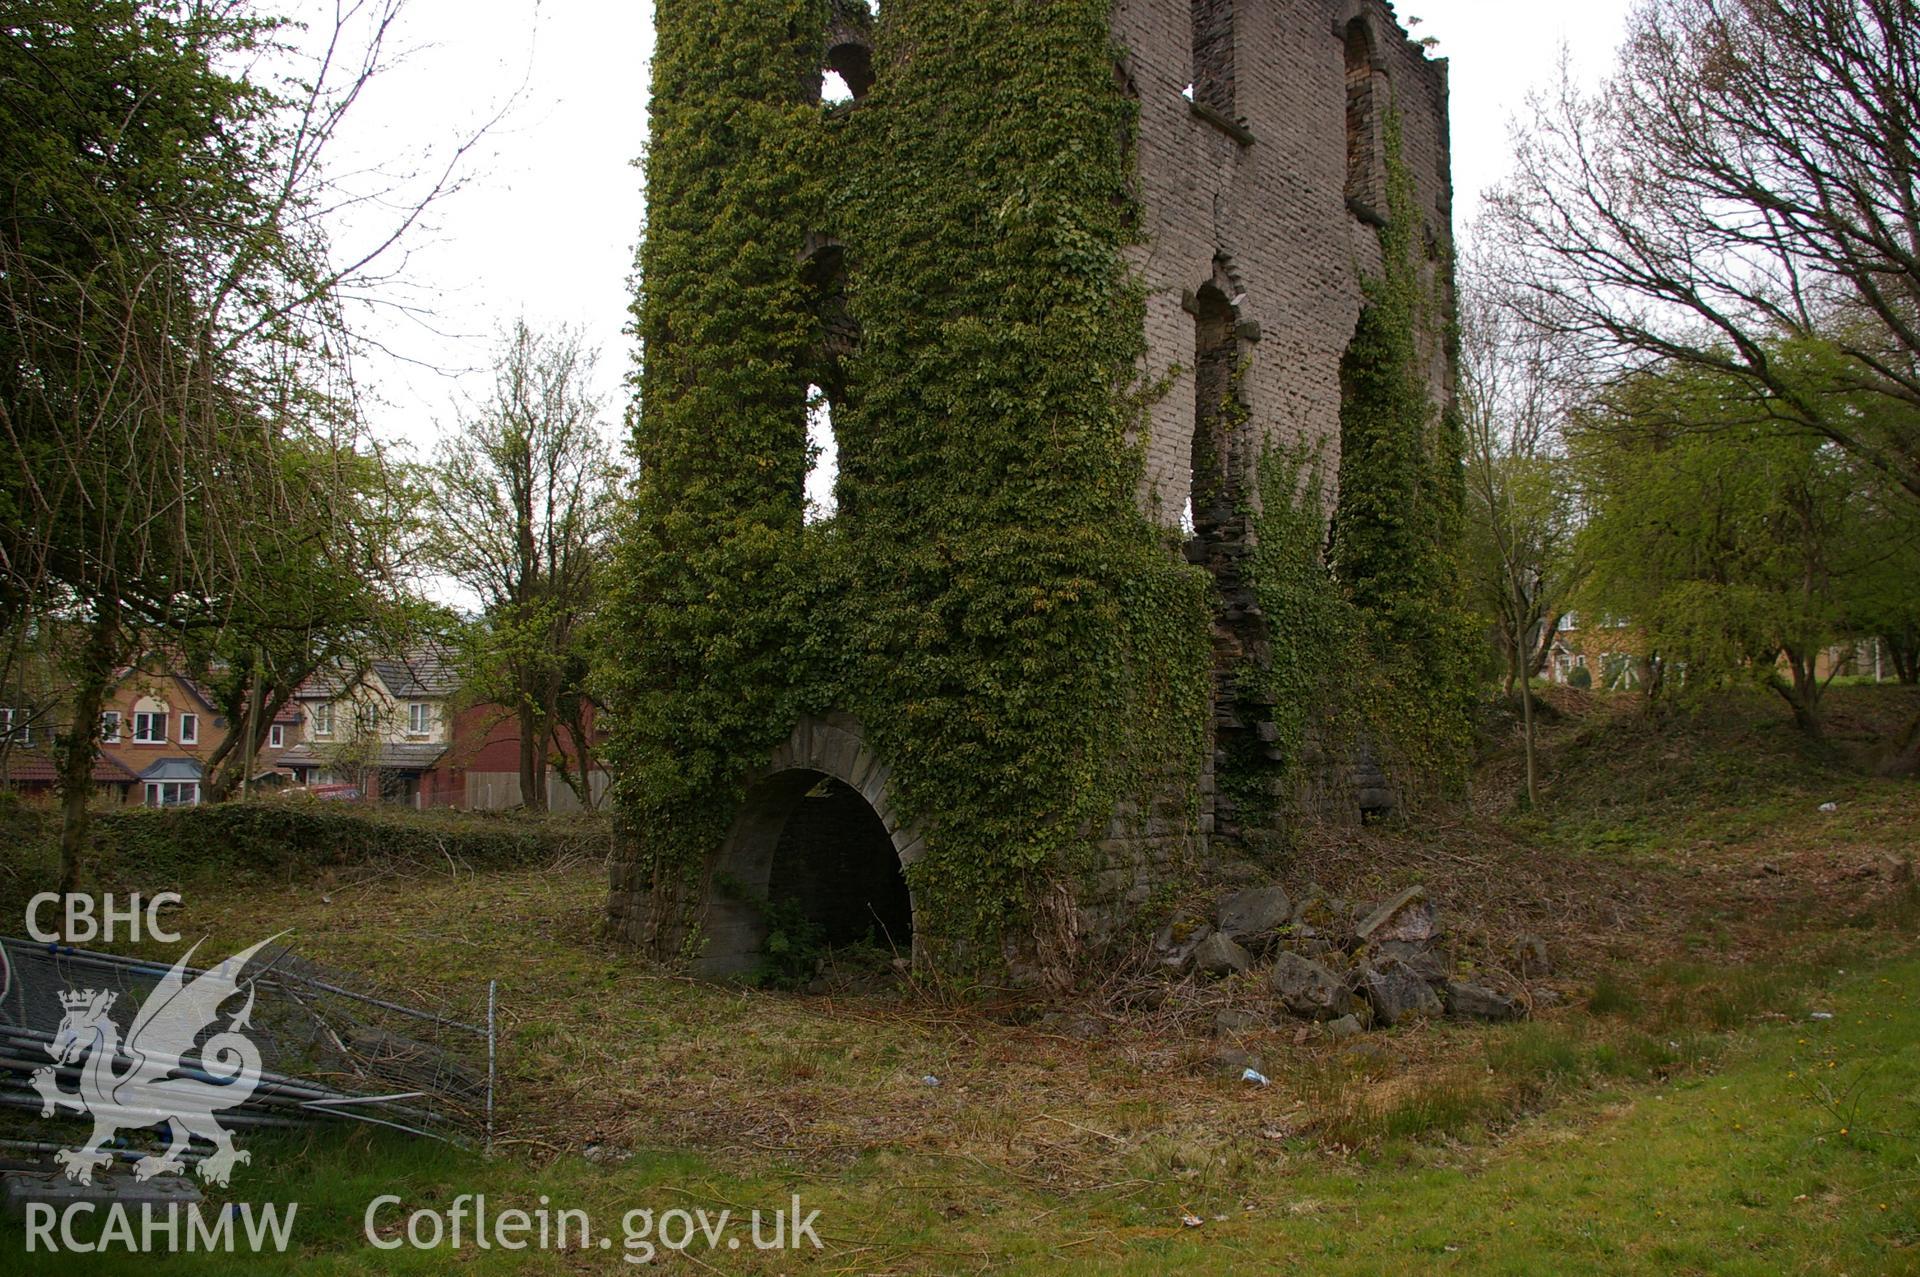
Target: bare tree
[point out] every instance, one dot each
(524, 495)
(1743, 196)
(1515, 394)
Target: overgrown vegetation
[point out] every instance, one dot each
(1398, 522)
(1681, 1108)
(1372, 642)
(278, 838)
(184, 468)
(1014, 634)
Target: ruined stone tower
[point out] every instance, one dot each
(1062, 274)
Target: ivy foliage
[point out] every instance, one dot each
(1014, 634)
(1368, 624)
(1314, 679)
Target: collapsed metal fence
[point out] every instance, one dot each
(328, 1052)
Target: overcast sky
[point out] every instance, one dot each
(547, 221)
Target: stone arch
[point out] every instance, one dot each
(830, 754)
(849, 45)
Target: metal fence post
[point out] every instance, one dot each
(492, 985)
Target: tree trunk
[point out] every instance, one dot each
(579, 775)
(533, 780)
(228, 763)
(1533, 758)
(1905, 655)
(79, 746)
(1802, 695)
(1650, 678)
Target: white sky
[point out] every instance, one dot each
(548, 219)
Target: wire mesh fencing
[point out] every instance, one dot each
(327, 1051)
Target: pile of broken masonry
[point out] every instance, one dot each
(1349, 968)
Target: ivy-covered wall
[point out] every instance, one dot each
(1013, 627)
(1374, 663)
(1018, 639)
(1398, 523)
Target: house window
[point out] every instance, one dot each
(276, 737)
(419, 718)
(323, 720)
(21, 735)
(173, 793)
(110, 727)
(189, 729)
(149, 728)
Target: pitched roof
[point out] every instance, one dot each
(173, 769)
(33, 767)
(410, 757)
(423, 672)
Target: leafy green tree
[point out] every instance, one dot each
(328, 591)
(1887, 603)
(171, 354)
(1747, 180)
(1739, 550)
(1522, 549)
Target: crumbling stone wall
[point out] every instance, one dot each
(1264, 205)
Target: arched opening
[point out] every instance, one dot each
(851, 64)
(814, 862)
(1362, 118)
(1220, 540)
(835, 868)
(1213, 55)
(1218, 415)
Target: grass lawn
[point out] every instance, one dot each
(1679, 1103)
(1800, 1154)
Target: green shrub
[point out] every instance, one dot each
(290, 836)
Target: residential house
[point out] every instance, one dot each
(159, 730)
(377, 731)
(482, 765)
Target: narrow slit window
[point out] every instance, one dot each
(1213, 56)
(1362, 120)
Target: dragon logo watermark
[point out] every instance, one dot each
(160, 1073)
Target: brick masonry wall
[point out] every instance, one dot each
(1264, 195)
(1254, 195)
(1276, 210)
